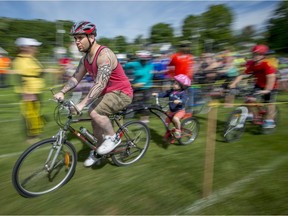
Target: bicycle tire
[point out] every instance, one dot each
(135, 140)
(30, 176)
(189, 131)
(231, 132)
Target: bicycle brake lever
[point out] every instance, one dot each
(75, 107)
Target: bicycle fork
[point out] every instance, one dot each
(57, 146)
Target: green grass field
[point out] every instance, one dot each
(250, 175)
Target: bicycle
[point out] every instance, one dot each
(49, 164)
(189, 125)
(236, 122)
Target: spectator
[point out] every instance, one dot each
(4, 67)
(143, 80)
(30, 72)
(182, 61)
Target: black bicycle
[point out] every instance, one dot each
(49, 164)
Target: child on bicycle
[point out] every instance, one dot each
(177, 101)
(265, 81)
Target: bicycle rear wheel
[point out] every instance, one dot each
(44, 167)
(232, 131)
(135, 140)
(189, 131)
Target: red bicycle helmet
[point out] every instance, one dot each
(83, 27)
(260, 49)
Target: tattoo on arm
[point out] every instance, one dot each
(72, 83)
(101, 81)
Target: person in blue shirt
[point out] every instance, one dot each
(177, 101)
(142, 80)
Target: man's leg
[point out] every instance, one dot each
(109, 104)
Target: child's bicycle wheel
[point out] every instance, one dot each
(189, 131)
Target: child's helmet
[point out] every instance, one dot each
(183, 79)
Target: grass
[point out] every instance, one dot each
(168, 180)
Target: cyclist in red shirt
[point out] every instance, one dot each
(182, 61)
(265, 80)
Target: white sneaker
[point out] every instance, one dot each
(108, 145)
(91, 159)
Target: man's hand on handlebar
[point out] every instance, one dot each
(59, 96)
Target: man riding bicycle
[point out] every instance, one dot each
(265, 81)
(110, 93)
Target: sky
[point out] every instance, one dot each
(133, 18)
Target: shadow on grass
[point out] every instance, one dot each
(159, 139)
(83, 154)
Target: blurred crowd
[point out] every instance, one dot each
(147, 71)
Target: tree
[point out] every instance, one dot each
(120, 44)
(161, 33)
(217, 24)
(191, 27)
(278, 28)
(246, 35)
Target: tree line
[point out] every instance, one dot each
(210, 31)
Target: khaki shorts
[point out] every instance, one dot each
(111, 103)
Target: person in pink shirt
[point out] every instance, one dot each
(110, 93)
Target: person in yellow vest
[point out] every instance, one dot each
(30, 73)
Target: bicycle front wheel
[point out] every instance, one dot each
(232, 131)
(44, 167)
(135, 140)
(189, 131)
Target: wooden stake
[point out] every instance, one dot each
(210, 152)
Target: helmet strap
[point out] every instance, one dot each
(90, 45)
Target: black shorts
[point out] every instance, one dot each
(267, 98)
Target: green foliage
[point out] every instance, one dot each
(161, 33)
(209, 31)
(278, 28)
(120, 44)
(41, 30)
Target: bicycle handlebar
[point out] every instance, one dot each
(67, 103)
(157, 100)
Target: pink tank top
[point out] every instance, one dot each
(118, 79)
